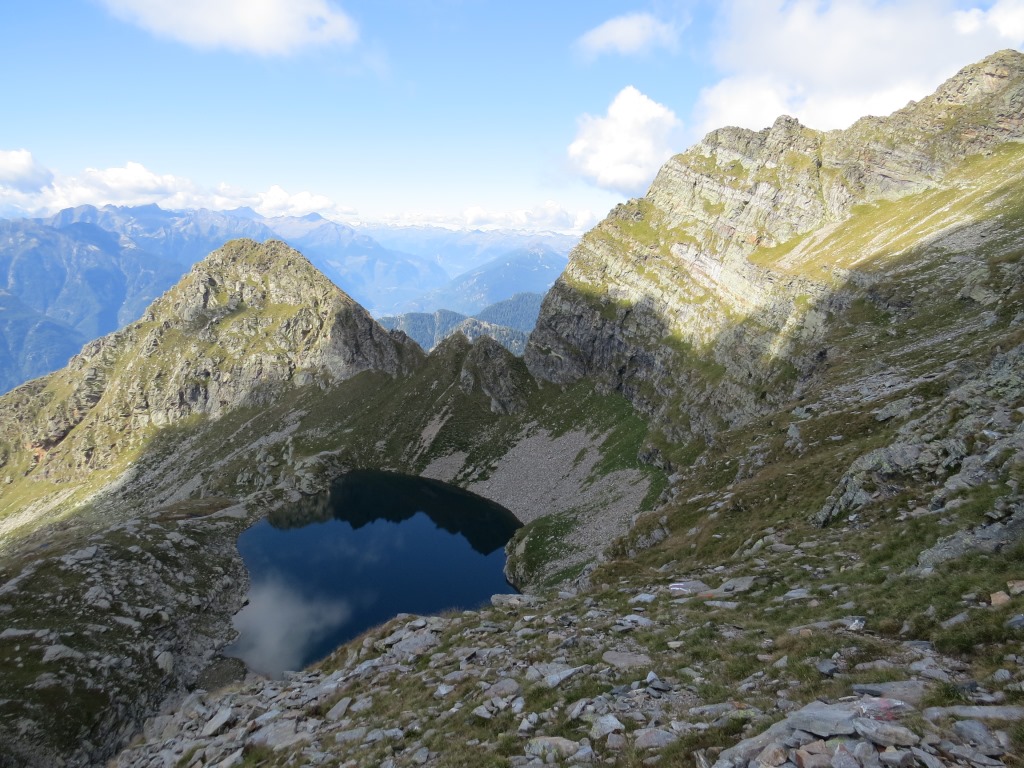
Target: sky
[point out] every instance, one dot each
(462, 113)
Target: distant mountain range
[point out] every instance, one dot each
(524, 270)
(86, 271)
(509, 322)
(459, 251)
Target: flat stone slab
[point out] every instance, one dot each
(910, 691)
(824, 719)
(624, 660)
(689, 587)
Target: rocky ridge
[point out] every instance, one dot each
(696, 301)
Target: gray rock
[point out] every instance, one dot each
(653, 738)
(927, 760)
(59, 652)
(338, 711)
(642, 599)
(866, 754)
(351, 735)
(217, 722)
(625, 660)
(555, 679)
(896, 758)
(977, 734)
(80, 556)
(844, 758)
(165, 661)
(972, 756)
(960, 618)
(827, 667)
(605, 725)
(885, 734)
(362, 704)
(824, 719)
(505, 688)
(690, 587)
(910, 691)
(1013, 713)
(775, 754)
(560, 748)
(514, 601)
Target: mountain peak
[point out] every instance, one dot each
(245, 324)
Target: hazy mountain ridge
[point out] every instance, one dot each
(526, 270)
(460, 251)
(508, 322)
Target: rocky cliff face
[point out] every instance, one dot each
(703, 303)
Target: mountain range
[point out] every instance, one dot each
(88, 271)
(766, 440)
(508, 322)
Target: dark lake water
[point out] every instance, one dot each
(331, 566)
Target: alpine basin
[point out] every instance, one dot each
(376, 544)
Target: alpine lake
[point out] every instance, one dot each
(328, 567)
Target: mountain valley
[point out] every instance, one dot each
(766, 439)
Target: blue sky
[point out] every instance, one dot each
(461, 112)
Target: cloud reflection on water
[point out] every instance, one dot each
(280, 625)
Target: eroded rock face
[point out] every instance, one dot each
(694, 302)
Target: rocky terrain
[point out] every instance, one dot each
(768, 441)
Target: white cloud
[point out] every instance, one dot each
(27, 188)
(277, 202)
(266, 27)
(629, 34)
(829, 63)
(623, 149)
(550, 216)
(1005, 18)
(20, 173)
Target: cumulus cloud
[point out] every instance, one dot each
(631, 33)
(20, 173)
(277, 202)
(623, 149)
(829, 63)
(1005, 18)
(265, 27)
(28, 188)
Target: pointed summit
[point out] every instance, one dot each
(244, 325)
